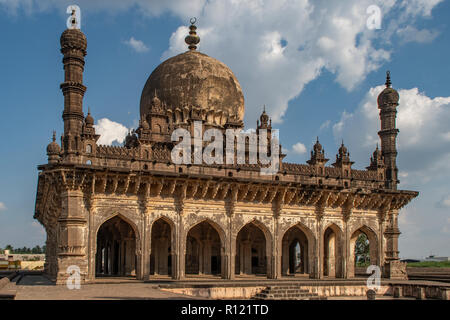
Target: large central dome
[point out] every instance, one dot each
(195, 80)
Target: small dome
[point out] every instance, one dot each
(388, 96)
(89, 120)
(53, 148)
(343, 149)
(317, 146)
(73, 38)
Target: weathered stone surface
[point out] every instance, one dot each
(193, 79)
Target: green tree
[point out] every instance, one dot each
(362, 255)
(36, 250)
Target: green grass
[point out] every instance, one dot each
(430, 264)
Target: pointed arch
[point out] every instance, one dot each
(117, 241)
(373, 247)
(204, 248)
(162, 240)
(332, 251)
(253, 249)
(297, 261)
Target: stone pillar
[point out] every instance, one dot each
(318, 258)
(163, 256)
(92, 240)
(276, 259)
(346, 247)
(246, 256)
(106, 266)
(230, 254)
(206, 252)
(393, 268)
(285, 257)
(146, 244)
(331, 261)
(72, 248)
(180, 256)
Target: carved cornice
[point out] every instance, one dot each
(52, 183)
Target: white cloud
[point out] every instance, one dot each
(110, 131)
(2, 206)
(277, 43)
(137, 45)
(299, 148)
(411, 34)
(423, 123)
(445, 202)
(325, 125)
(423, 161)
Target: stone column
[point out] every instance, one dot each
(230, 252)
(276, 263)
(92, 239)
(346, 244)
(180, 255)
(206, 253)
(285, 257)
(393, 268)
(146, 244)
(246, 256)
(73, 230)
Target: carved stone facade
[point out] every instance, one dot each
(131, 211)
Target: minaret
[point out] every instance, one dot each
(73, 47)
(387, 103)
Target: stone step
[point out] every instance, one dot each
(286, 292)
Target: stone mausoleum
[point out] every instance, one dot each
(131, 211)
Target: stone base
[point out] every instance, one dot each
(395, 270)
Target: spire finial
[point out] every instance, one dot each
(388, 79)
(192, 39)
(317, 138)
(89, 110)
(264, 108)
(54, 136)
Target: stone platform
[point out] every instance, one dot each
(38, 287)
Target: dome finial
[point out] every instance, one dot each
(388, 79)
(54, 136)
(192, 39)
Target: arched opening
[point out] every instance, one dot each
(203, 250)
(332, 252)
(363, 251)
(251, 255)
(295, 252)
(161, 249)
(116, 249)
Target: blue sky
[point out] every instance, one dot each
(315, 65)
